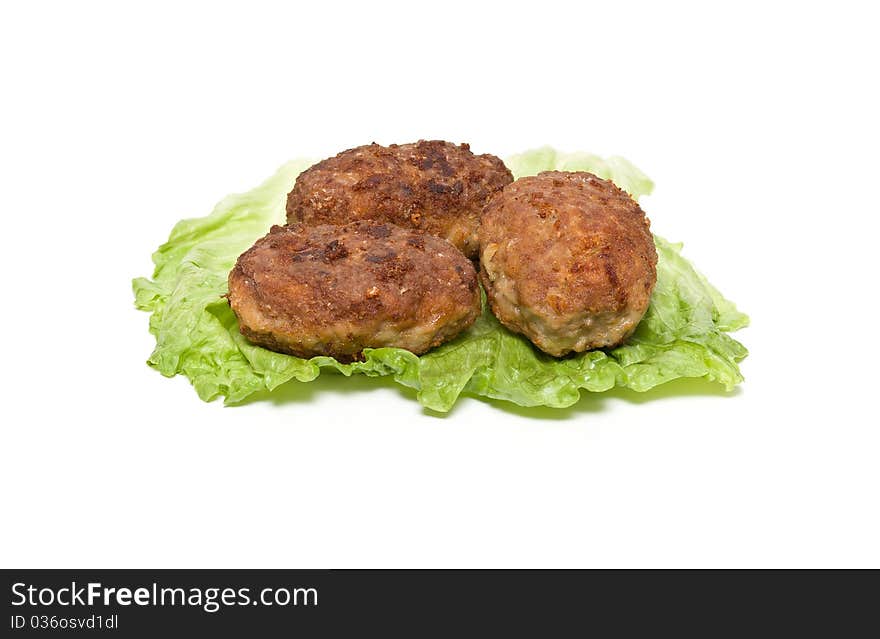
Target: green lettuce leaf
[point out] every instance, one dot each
(683, 334)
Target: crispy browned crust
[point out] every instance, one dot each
(568, 260)
(335, 290)
(434, 186)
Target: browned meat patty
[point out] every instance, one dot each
(434, 186)
(568, 260)
(335, 290)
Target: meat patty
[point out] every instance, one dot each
(335, 290)
(434, 186)
(568, 260)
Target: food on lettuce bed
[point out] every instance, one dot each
(683, 334)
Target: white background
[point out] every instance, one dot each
(758, 125)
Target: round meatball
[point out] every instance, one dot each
(335, 290)
(434, 186)
(568, 260)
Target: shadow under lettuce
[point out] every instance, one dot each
(328, 382)
(334, 383)
(598, 402)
